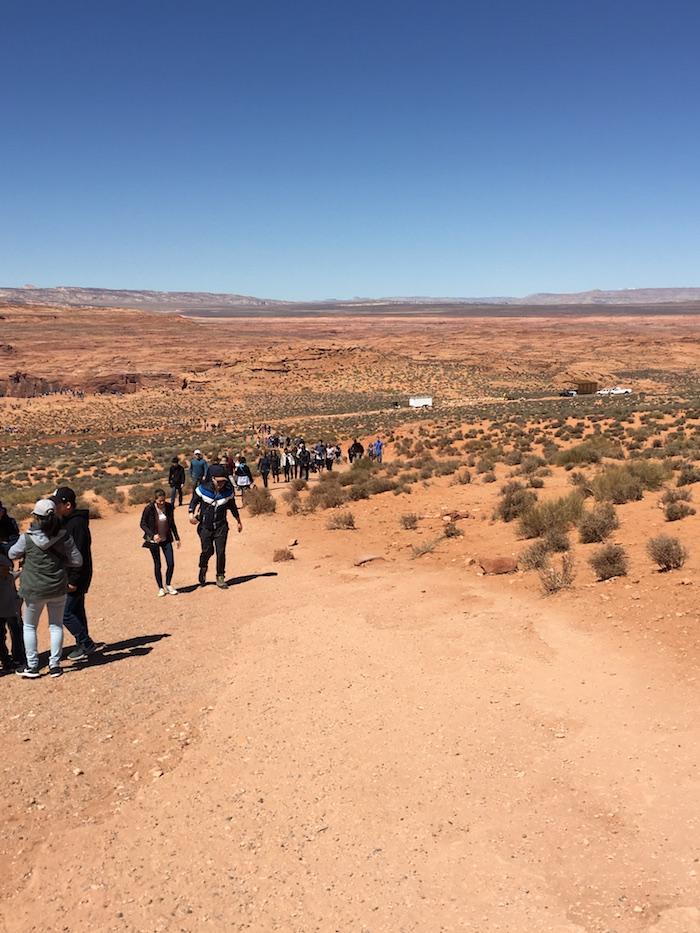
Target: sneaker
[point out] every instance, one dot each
(55, 671)
(77, 654)
(161, 592)
(221, 583)
(97, 647)
(171, 590)
(202, 577)
(31, 673)
(7, 666)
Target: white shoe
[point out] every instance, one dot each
(171, 590)
(161, 592)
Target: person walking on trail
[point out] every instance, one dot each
(330, 457)
(77, 523)
(9, 620)
(198, 471)
(159, 532)
(320, 456)
(48, 551)
(288, 464)
(304, 461)
(275, 462)
(215, 499)
(243, 476)
(264, 466)
(378, 450)
(176, 480)
(355, 451)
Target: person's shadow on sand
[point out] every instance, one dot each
(232, 581)
(137, 647)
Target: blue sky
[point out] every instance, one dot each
(309, 150)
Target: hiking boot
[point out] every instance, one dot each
(171, 590)
(202, 577)
(55, 671)
(221, 582)
(31, 673)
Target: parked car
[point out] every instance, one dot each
(568, 393)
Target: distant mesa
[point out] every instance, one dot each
(217, 304)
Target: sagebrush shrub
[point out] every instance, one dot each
(675, 511)
(259, 501)
(558, 576)
(515, 499)
(610, 561)
(667, 552)
(341, 521)
(557, 514)
(409, 521)
(598, 523)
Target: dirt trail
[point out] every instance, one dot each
(324, 747)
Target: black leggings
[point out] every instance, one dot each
(167, 548)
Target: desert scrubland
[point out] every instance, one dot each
(410, 742)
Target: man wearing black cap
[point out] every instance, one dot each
(77, 524)
(212, 500)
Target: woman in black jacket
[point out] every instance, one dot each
(159, 532)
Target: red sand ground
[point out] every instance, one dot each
(404, 746)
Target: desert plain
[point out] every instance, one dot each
(377, 733)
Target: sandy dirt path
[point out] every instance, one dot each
(324, 747)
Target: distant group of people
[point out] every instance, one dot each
(54, 555)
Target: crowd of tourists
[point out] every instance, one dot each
(52, 559)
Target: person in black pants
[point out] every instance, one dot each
(215, 499)
(176, 480)
(159, 532)
(304, 461)
(264, 468)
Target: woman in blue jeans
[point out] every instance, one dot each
(159, 532)
(48, 550)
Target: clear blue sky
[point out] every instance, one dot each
(316, 149)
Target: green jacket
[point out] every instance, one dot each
(45, 563)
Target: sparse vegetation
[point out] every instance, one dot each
(341, 521)
(259, 502)
(598, 523)
(667, 552)
(558, 576)
(409, 521)
(610, 561)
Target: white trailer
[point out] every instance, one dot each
(421, 401)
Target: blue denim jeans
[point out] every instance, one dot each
(75, 620)
(30, 617)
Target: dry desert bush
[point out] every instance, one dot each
(259, 501)
(667, 552)
(609, 561)
(557, 576)
(282, 554)
(598, 523)
(341, 521)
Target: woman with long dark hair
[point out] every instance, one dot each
(159, 532)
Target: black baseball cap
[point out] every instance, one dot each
(64, 494)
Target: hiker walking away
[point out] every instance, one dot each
(355, 451)
(304, 461)
(48, 551)
(330, 457)
(288, 464)
(338, 454)
(9, 619)
(275, 461)
(243, 476)
(378, 450)
(198, 470)
(76, 523)
(215, 499)
(264, 468)
(176, 480)
(320, 456)
(159, 532)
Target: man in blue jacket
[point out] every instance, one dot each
(213, 499)
(198, 472)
